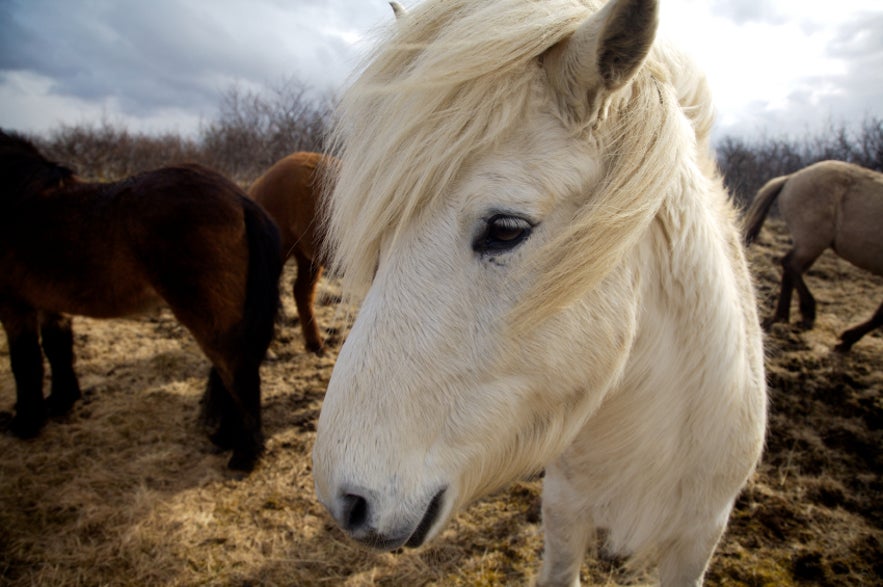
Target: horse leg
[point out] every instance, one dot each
(250, 443)
(232, 405)
(807, 303)
(308, 274)
(799, 260)
(683, 561)
(783, 307)
(854, 334)
(26, 360)
(230, 408)
(217, 411)
(567, 530)
(794, 264)
(57, 338)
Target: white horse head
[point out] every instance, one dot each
(549, 275)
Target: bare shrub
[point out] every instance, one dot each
(104, 151)
(253, 130)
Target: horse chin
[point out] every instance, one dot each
(432, 520)
(380, 542)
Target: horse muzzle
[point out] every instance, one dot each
(359, 514)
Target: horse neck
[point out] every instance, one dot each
(695, 274)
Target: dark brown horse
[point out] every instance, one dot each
(828, 204)
(183, 235)
(289, 191)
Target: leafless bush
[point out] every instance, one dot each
(251, 131)
(255, 129)
(106, 152)
(748, 164)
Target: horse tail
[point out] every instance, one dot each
(262, 284)
(760, 207)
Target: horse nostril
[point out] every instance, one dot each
(355, 512)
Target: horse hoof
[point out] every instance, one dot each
(843, 348)
(26, 427)
(60, 406)
(242, 461)
(222, 439)
(317, 348)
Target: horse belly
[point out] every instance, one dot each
(85, 287)
(859, 239)
(809, 215)
(97, 300)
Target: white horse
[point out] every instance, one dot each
(550, 276)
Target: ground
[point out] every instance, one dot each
(126, 490)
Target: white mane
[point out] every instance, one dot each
(455, 97)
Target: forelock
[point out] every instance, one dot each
(450, 80)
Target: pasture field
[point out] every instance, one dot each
(126, 490)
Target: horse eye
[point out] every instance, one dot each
(502, 233)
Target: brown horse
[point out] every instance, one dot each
(289, 191)
(828, 204)
(184, 235)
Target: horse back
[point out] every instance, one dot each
(107, 250)
(289, 191)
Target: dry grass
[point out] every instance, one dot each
(127, 491)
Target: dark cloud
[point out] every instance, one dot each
(176, 53)
(156, 59)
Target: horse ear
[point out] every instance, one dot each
(398, 9)
(602, 55)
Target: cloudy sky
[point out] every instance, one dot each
(775, 66)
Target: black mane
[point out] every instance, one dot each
(24, 170)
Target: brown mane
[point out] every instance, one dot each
(24, 171)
